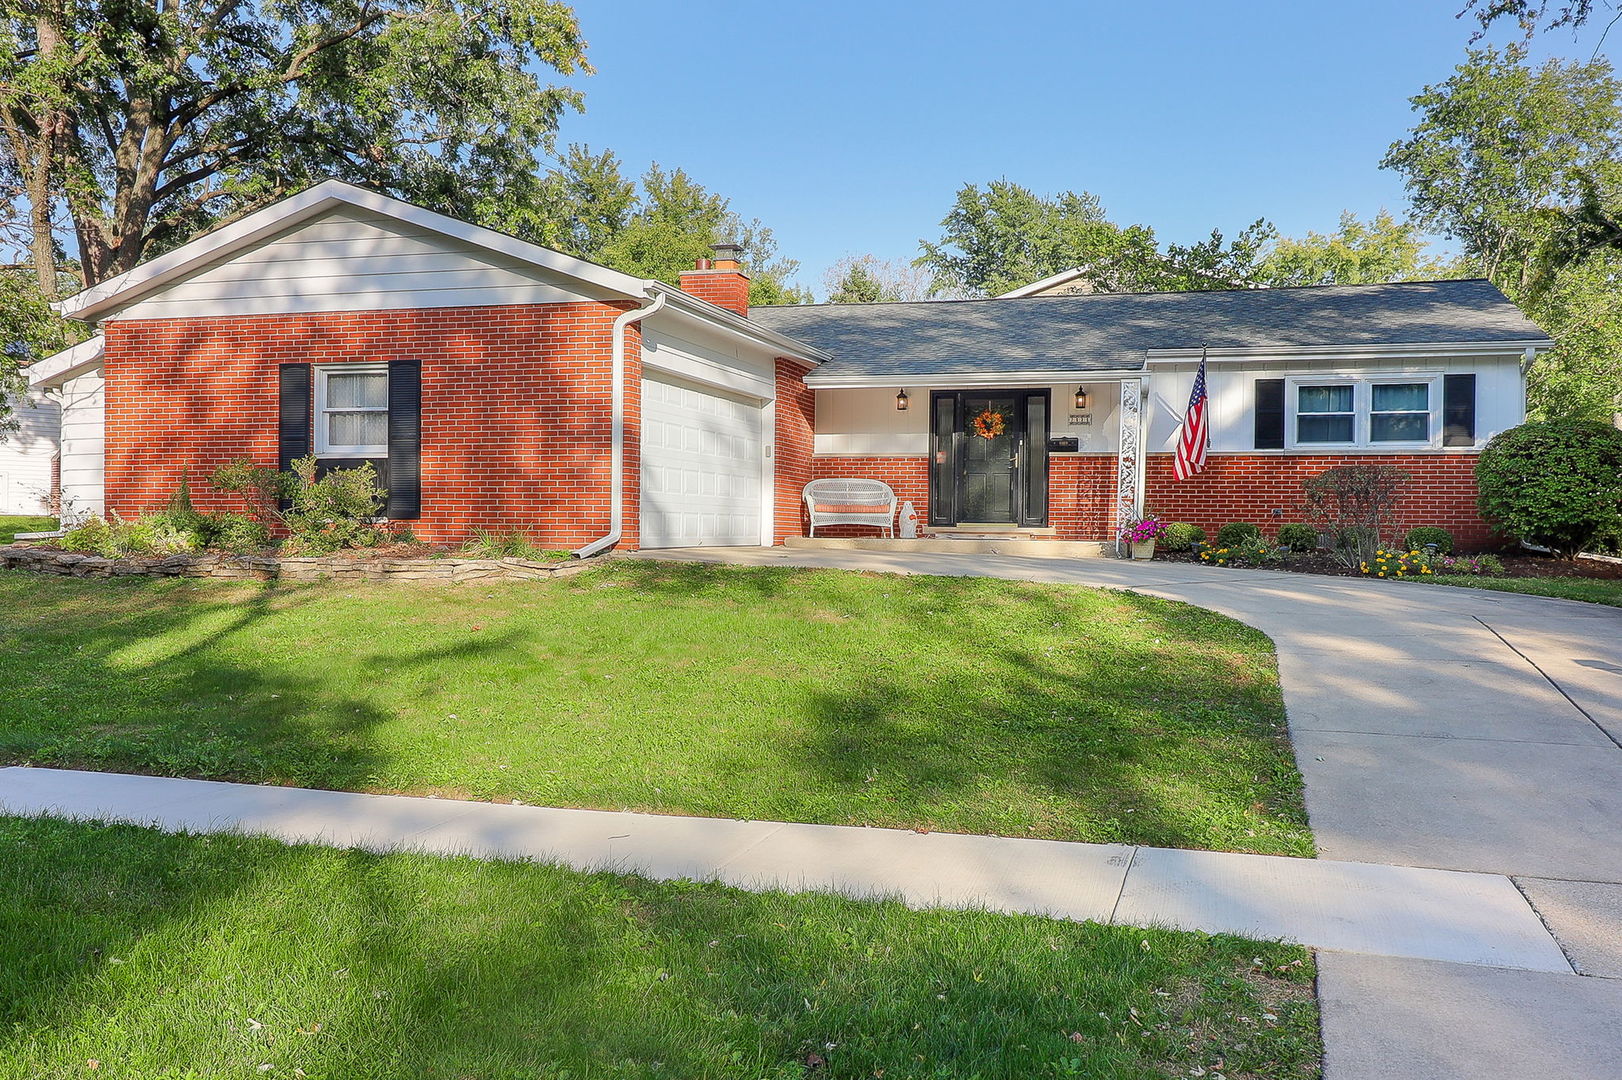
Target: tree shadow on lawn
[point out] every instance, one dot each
(1158, 729)
(153, 691)
(182, 957)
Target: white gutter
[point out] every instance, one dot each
(616, 508)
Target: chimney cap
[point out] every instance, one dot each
(728, 250)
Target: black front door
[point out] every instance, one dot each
(988, 457)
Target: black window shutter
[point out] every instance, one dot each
(292, 414)
(1269, 414)
(405, 439)
(1458, 410)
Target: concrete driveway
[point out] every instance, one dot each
(1434, 726)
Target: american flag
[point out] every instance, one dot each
(1191, 437)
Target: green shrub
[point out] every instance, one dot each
(335, 509)
(1556, 483)
(1237, 532)
(238, 534)
(1418, 538)
(1181, 536)
(260, 488)
(117, 538)
(1298, 537)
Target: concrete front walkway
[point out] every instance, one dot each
(1352, 907)
(1451, 728)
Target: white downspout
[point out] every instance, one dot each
(616, 510)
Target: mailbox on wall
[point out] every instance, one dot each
(1063, 444)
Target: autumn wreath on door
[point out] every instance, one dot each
(988, 425)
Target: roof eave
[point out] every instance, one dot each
(59, 367)
(1253, 353)
(787, 347)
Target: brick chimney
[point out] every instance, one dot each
(720, 280)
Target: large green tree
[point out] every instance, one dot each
(1505, 157)
(1005, 235)
(141, 121)
(1358, 253)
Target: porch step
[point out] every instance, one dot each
(1034, 549)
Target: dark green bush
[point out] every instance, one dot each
(1417, 538)
(335, 509)
(1181, 536)
(1237, 532)
(1298, 537)
(1557, 483)
(238, 534)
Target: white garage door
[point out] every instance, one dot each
(701, 466)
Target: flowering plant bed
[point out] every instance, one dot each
(1143, 530)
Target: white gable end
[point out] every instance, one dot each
(353, 259)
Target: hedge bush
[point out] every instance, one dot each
(1237, 532)
(1181, 536)
(1417, 538)
(1555, 483)
(1298, 537)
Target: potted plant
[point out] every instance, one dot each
(1140, 534)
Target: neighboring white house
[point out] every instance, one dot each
(72, 378)
(27, 454)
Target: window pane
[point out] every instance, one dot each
(357, 428)
(357, 390)
(1323, 429)
(1325, 399)
(1400, 427)
(1402, 397)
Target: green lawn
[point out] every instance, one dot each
(125, 953)
(12, 524)
(958, 704)
(1593, 590)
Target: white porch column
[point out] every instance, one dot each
(1129, 460)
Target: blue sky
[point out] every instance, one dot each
(848, 126)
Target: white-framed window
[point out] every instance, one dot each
(1326, 413)
(1373, 411)
(1400, 412)
(352, 410)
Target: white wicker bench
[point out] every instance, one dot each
(850, 502)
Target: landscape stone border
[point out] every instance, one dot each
(274, 568)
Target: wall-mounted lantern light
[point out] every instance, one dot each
(901, 401)
(1082, 400)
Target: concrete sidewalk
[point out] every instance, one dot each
(1389, 911)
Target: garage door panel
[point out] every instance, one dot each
(702, 466)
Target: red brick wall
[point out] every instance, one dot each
(1081, 496)
(723, 288)
(792, 444)
(1249, 487)
(1081, 491)
(515, 408)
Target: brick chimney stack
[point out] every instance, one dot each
(720, 280)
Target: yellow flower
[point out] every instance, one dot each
(1382, 573)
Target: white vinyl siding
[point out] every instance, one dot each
(352, 260)
(26, 453)
(703, 466)
(84, 447)
(1500, 400)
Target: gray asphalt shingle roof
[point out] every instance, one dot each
(1111, 331)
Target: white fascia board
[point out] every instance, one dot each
(59, 367)
(1037, 286)
(968, 380)
(1265, 353)
(720, 318)
(280, 216)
